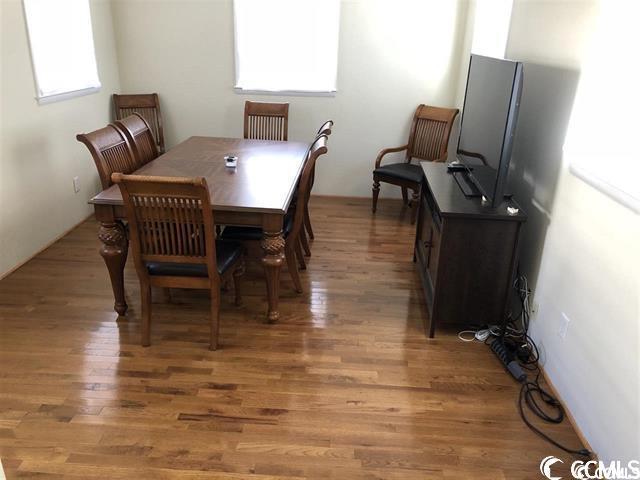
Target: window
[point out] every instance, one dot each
(287, 45)
(601, 140)
(491, 27)
(62, 52)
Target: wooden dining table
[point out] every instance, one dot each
(256, 193)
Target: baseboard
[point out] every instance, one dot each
(63, 234)
(572, 420)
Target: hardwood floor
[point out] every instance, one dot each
(345, 386)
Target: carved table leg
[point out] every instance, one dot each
(115, 245)
(273, 247)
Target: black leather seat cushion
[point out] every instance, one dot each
(243, 234)
(226, 254)
(401, 171)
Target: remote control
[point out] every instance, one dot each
(456, 167)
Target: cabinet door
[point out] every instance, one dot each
(434, 250)
(423, 240)
(429, 234)
(431, 231)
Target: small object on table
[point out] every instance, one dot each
(230, 161)
(457, 166)
(513, 210)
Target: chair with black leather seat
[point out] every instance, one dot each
(294, 220)
(173, 241)
(428, 140)
(325, 129)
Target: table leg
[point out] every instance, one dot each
(273, 247)
(115, 246)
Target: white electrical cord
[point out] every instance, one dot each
(482, 334)
(479, 335)
(461, 335)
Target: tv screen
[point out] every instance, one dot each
(488, 123)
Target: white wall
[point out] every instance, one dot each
(580, 248)
(393, 56)
(39, 153)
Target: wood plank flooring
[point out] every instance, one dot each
(345, 386)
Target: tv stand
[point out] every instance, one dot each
(466, 252)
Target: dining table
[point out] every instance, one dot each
(256, 192)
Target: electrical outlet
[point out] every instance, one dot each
(564, 326)
(535, 307)
(76, 184)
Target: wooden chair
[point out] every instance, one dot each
(294, 220)
(147, 105)
(325, 129)
(111, 152)
(173, 241)
(266, 121)
(428, 140)
(139, 135)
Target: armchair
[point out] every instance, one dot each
(428, 140)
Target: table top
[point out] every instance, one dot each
(264, 180)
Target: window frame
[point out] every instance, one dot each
(622, 196)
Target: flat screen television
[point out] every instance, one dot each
(488, 126)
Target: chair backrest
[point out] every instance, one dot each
(266, 121)
(139, 134)
(170, 220)
(111, 151)
(325, 130)
(317, 148)
(430, 131)
(326, 127)
(147, 105)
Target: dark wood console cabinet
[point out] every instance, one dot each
(465, 251)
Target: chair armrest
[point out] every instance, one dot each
(389, 150)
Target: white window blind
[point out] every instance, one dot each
(491, 27)
(601, 140)
(287, 45)
(62, 51)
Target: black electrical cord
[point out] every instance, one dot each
(538, 400)
(527, 397)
